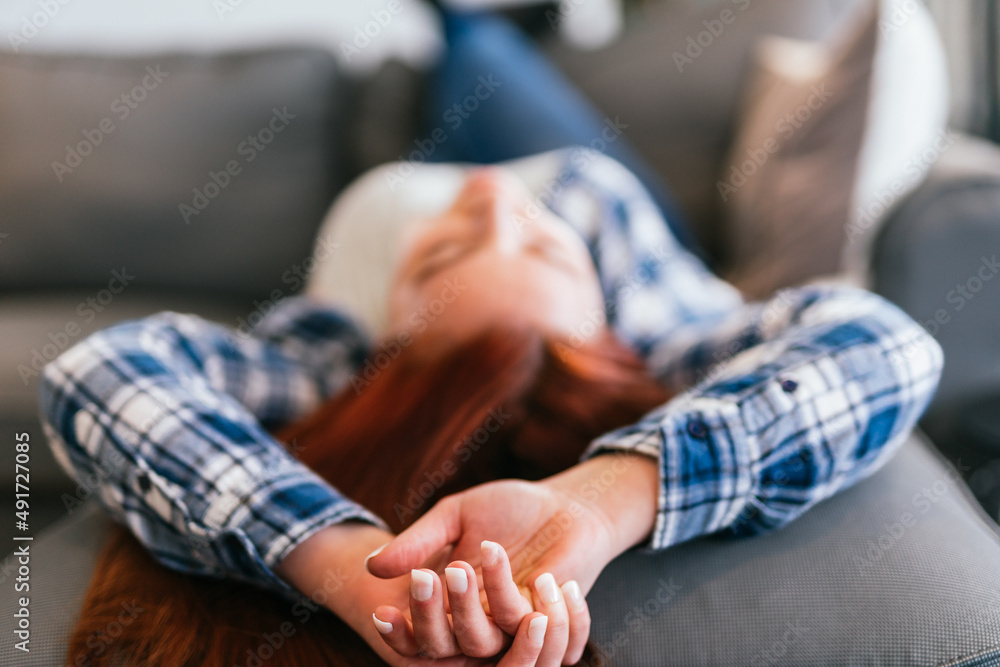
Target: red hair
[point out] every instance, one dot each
(507, 404)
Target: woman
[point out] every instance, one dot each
(779, 405)
(537, 274)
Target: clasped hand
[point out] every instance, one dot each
(497, 574)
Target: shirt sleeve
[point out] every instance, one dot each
(818, 389)
(164, 421)
(779, 404)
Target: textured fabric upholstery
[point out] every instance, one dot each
(901, 569)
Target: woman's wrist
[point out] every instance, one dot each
(623, 488)
(330, 563)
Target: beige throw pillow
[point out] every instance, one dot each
(832, 136)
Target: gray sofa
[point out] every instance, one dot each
(870, 577)
(902, 569)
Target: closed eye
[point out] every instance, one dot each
(554, 253)
(439, 256)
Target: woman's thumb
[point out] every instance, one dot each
(411, 548)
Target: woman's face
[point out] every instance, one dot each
(486, 261)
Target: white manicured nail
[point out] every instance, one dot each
(373, 554)
(382, 626)
(573, 594)
(491, 553)
(547, 589)
(536, 629)
(458, 580)
(421, 585)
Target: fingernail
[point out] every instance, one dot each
(491, 553)
(547, 589)
(458, 580)
(421, 585)
(381, 626)
(373, 554)
(573, 594)
(536, 629)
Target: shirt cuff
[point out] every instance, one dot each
(704, 462)
(252, 533)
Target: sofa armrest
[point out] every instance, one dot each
(938, 257)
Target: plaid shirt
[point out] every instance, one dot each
(780, 403)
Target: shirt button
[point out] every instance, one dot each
(788, 386)
(696, 428)
(144, 483)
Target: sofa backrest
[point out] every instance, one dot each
(197, 145)
(676, 78)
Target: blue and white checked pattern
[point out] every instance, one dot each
(780, 404)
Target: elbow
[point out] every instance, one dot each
(902, 351)
(59, 389)
(60, 401)
(913, 357)
(81, 375)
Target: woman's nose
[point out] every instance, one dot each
(493, 204)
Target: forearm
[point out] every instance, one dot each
(621, 489)
(329, 565)
(158, 417)
(810, 407)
